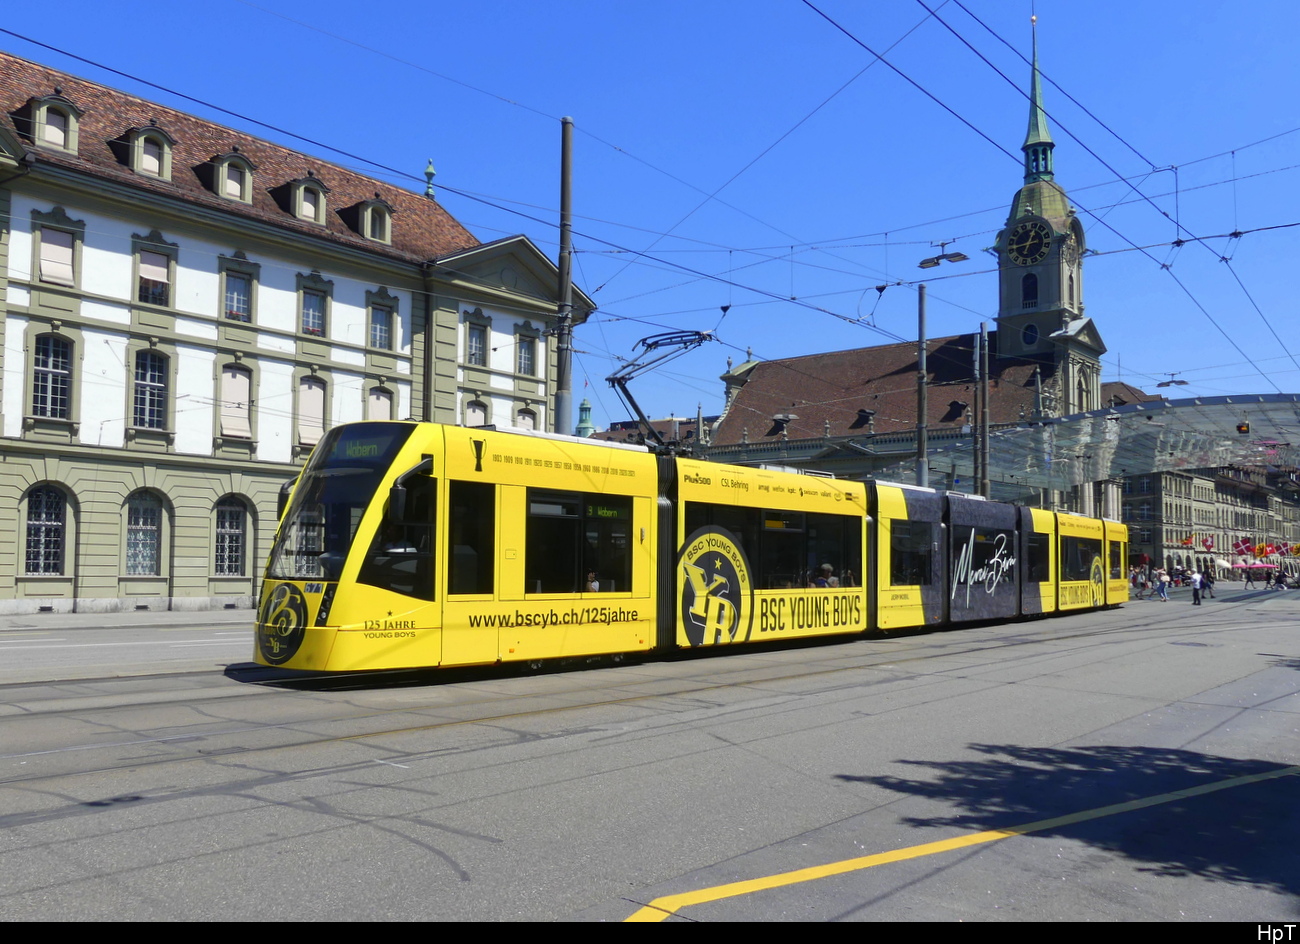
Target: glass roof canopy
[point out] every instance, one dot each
(1133, 439)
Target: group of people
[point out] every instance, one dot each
(1272, 580)
(1157, 583)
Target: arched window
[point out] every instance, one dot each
(144, 535)
(232, 538)
(150, 151)
(1071, 290)
(311, 203)
(476, 413)
(1029, 291)
(377, 224)
(50, 121)
(56, 127)
(525, 419)
(46, 530)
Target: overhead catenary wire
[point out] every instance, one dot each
(646, 260)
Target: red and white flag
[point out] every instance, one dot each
(1208, 543)
(1242, 546)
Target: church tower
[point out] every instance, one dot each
(1040, 277)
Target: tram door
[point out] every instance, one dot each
(1117, 586)
(1037, 561)
(911, 557)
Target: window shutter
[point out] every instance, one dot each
(311, 411)
(56, 256)
(153, 266)
(235, 386)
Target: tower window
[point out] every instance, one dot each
(1029, 291)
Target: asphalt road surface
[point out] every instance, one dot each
(1137, 764)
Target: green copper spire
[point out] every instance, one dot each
(1038, 140)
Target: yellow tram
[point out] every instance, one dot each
(420, 545)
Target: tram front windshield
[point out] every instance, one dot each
(333, 493)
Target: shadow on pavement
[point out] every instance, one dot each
(1247, 834)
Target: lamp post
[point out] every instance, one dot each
(922, 428)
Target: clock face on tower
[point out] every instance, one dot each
(1029, 243)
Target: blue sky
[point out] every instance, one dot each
(757, 155)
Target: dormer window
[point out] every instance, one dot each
(309, 200)
(377, 227)
(233, 177)
(150, 151)
(373, 219)
(53, 122)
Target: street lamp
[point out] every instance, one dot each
(933, 261)
(922, 447)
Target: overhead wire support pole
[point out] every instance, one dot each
(984, 413)
(563, 420)
(922, 446)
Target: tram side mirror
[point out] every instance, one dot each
(282, 499)
(397, 503)
(397, 494)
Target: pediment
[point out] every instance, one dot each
(514, 265)
(1080, 333)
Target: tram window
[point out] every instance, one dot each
(1077, 555)
(471, 538)
(910, 550)
(789, 547)
(743, 524)
(1116, 561)
(401, 556)
(783, 559)
(835, 540)
(1037, 569)
(576, 540)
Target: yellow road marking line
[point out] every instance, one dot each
(662, 908)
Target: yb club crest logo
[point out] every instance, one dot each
(716, 593)
(281, 624)
(1097, 582)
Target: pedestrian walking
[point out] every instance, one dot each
(1250, 580)
(1162, 584)
(1207, 583)
(1196, 588)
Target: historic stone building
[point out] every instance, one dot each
(1192, 519)
(184, 309)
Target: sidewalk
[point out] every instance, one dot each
(160, 619)
(1222, 591)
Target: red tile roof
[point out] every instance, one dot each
(421, 229)
(832, 388)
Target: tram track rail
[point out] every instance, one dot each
(207, 737)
